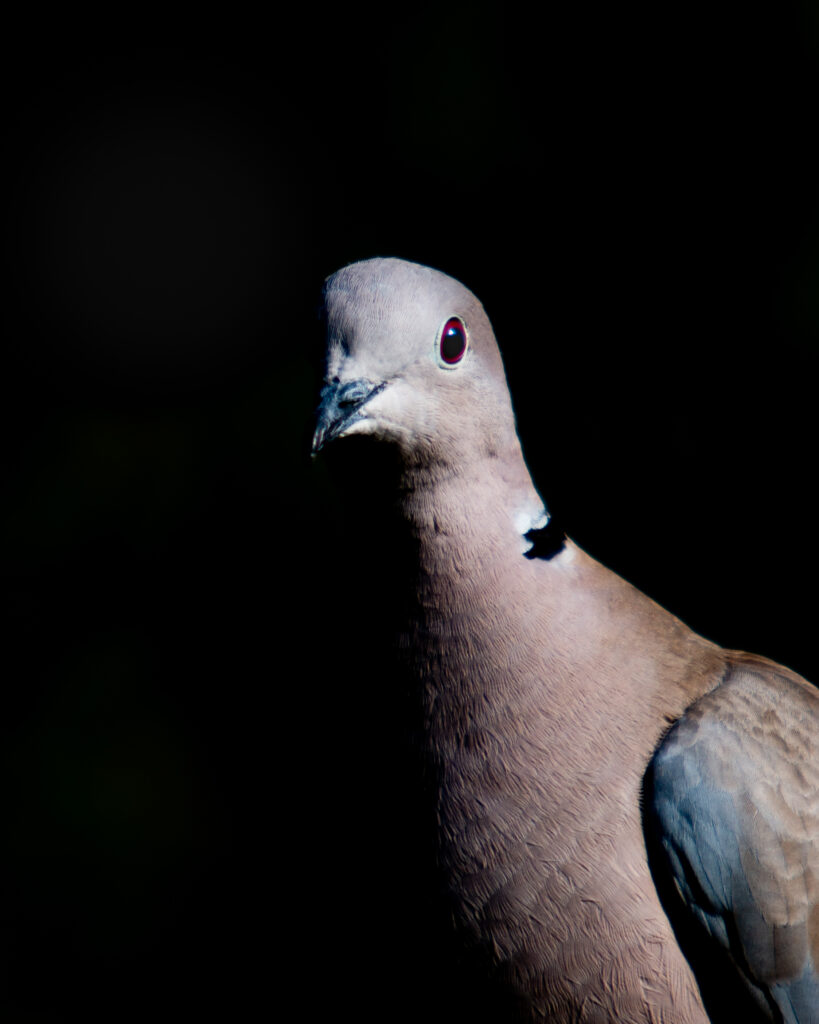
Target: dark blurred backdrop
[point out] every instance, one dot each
(192, 810)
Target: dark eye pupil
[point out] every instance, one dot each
(453, 341)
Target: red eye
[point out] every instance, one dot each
(453, 341)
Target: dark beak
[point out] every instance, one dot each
(340, 406)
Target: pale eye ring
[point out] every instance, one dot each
(453, 343)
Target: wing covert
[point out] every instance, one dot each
(732, 819)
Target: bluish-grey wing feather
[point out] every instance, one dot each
(733, 803)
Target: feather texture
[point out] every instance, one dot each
(591, 856)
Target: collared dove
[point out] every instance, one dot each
(627, 815)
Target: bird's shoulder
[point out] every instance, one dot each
(732, 807)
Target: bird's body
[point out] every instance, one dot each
(549, 689)
(541, 834)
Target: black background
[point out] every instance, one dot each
(194, 816)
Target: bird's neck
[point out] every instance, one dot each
(477, 591)
(484, 507)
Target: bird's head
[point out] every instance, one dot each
(412, 360)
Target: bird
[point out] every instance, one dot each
(626, 814)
